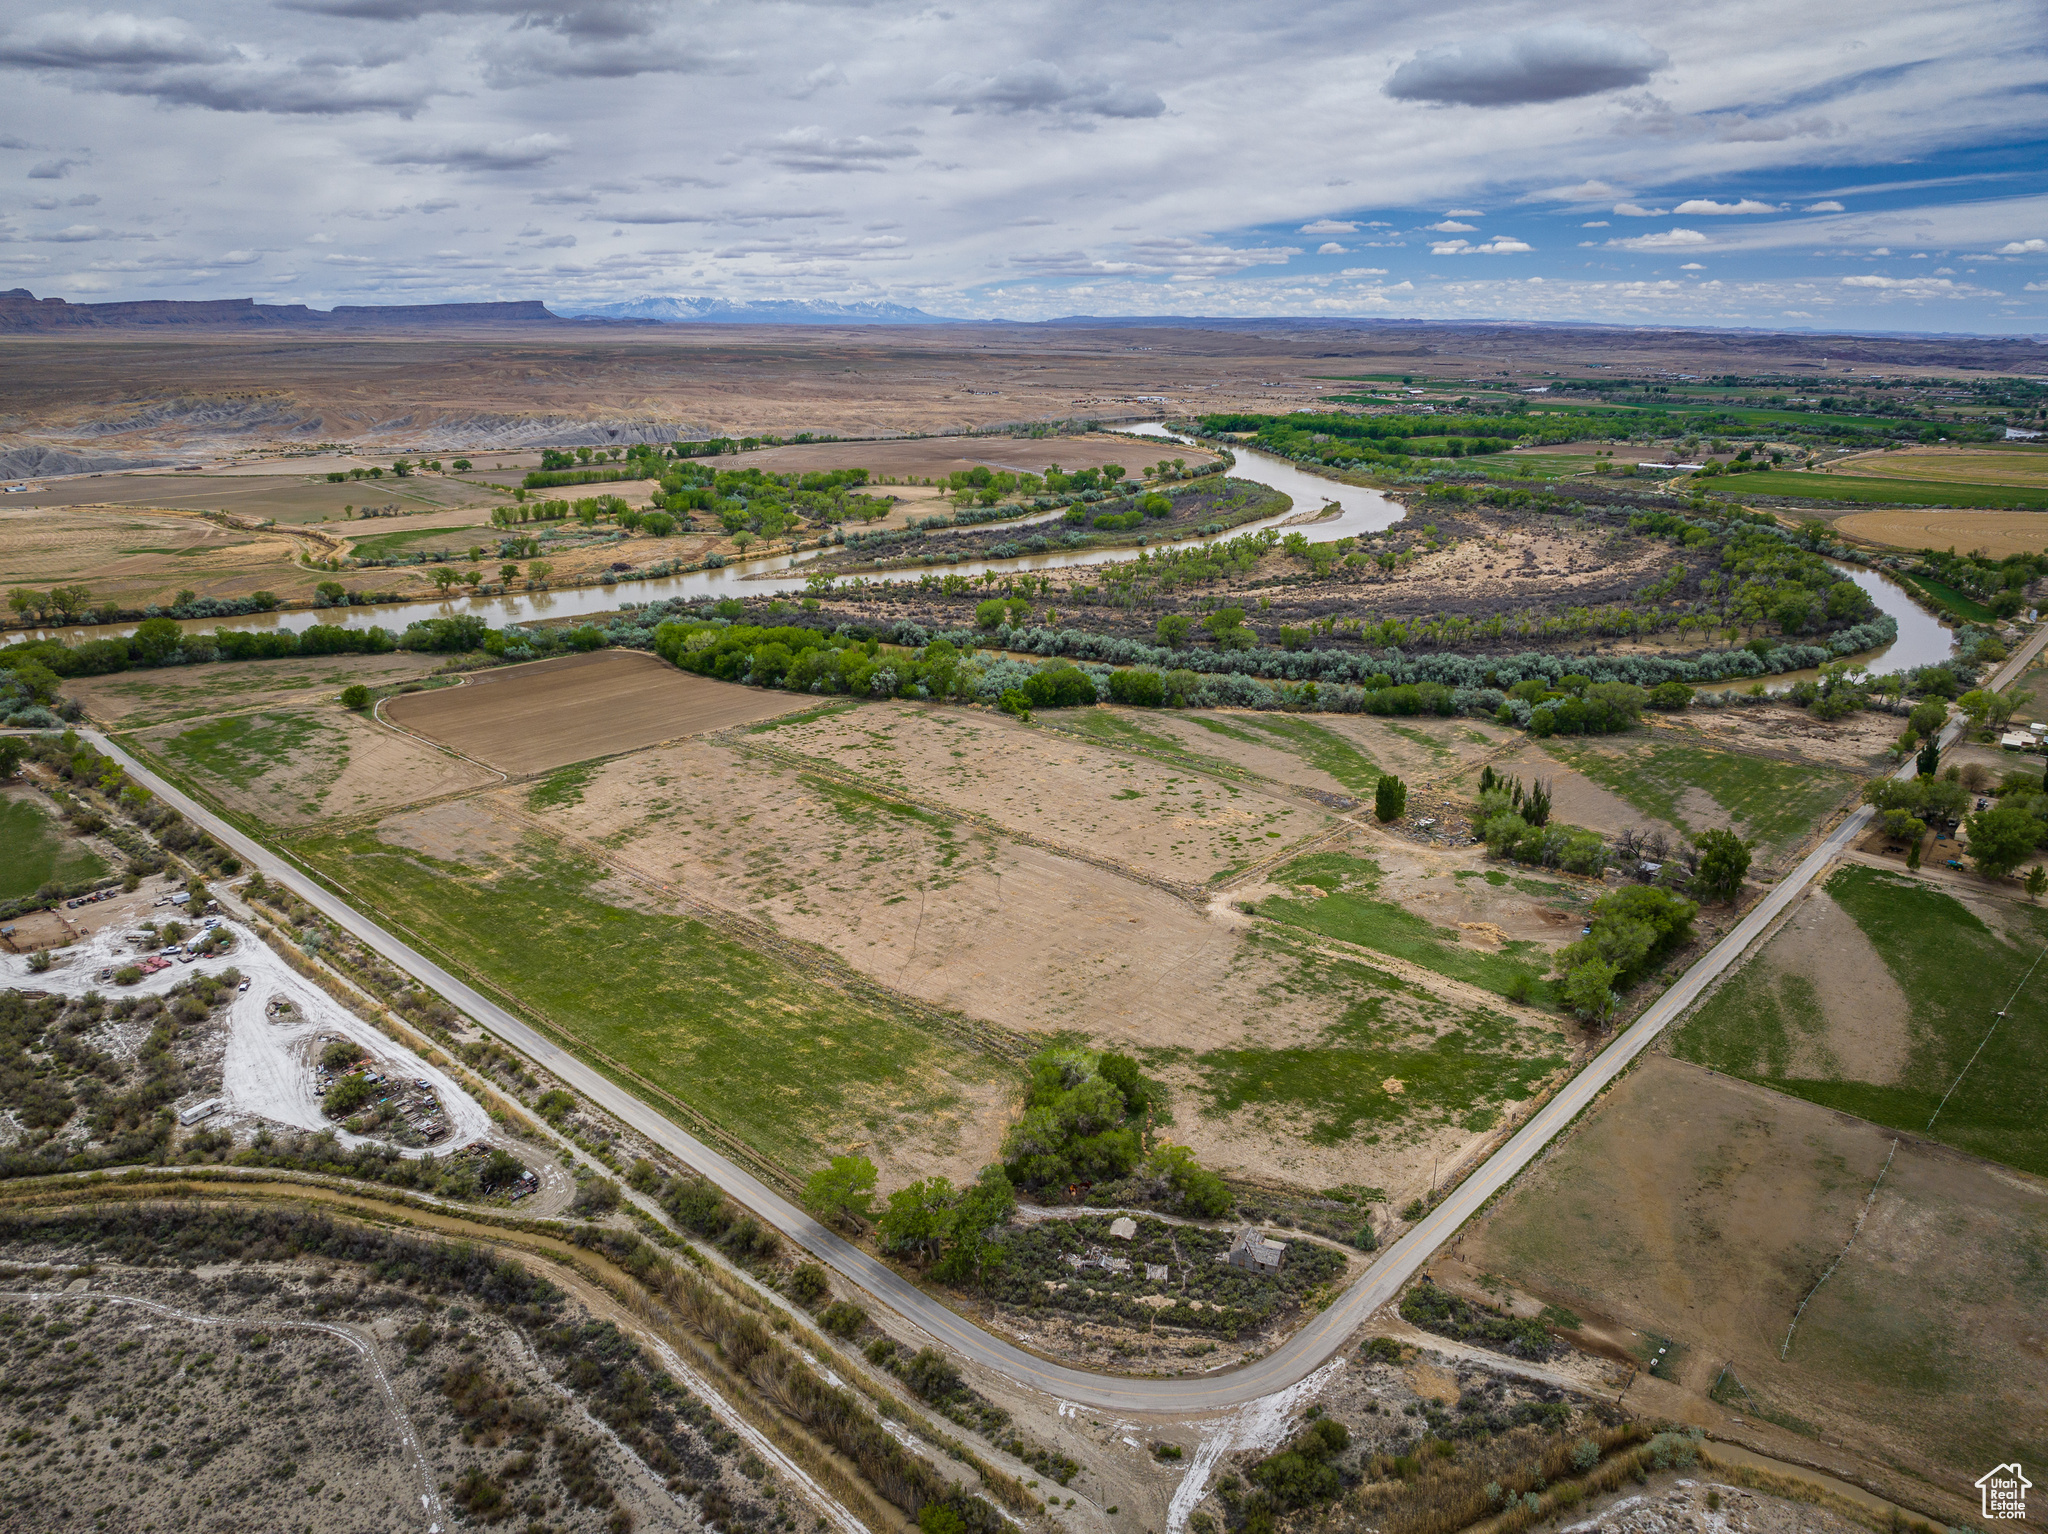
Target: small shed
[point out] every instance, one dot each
(198, 1111)
(1252, 1250)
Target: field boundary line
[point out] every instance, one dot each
(1854, 1231)
(377, 713)
(1192, 894)
(2043, 954)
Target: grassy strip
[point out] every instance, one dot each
(1346, 911)
(1777, 803)
(789, 1065)
(1950, 600)
(1881, 492)
(1957, 975)
(1323, 749)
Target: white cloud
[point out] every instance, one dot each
(1452, 226)
(2024, 248)
(1500, 245)
(1708, 205)
(815, 149)
(1553, 63)
(1332, 248)
(1673, 239)
(2036, 287)
(1324, 226)
(1363, 271)
(1692, 266)
(1827, 206)
(1914, 287)
(1584, 191)
(1465, 213)
(1039, 86)
(1598, 223)
(521, 153)
(1880, 250)
(1637, 210)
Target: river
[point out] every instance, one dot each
(1922, 641)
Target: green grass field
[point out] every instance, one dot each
(1776, 803)
(1877, 492)
(242, 747)
(1462, 1073)
(794, 1068)
(1950, 600)
(1958, 975)
(1346, 911)
(35, 851)
(388, 545)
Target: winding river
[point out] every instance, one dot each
(1350, 510)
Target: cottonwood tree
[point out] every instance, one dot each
(1724, 861)
(843, 1190)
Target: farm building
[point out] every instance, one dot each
(1252, 1250)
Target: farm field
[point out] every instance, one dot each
(2011, 463)
(1180, 826)
(1997, 533)
(769, 1055)
(37, 849)
(1694, 789)
(296, 765)
(535, 717)
(131, 700)
(133, 558)
(1869, 488)
(1878, 996)
(1702, 1209)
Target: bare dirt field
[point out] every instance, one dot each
(294, 766)
(290, 499)
(133, 699)
(133, 558)
(1700, 1209)
(1997, 533)
(1181, 827)
(536, 717)
(937, 457)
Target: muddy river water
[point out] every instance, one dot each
(1348, 510)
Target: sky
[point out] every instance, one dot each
(1882, 166)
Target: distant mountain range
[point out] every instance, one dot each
(21, 310)
(759, 311)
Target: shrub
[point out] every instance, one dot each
(808, 1284)
(1389, 798)
(128, 974)
(1670, 696)
(355, 696)
(341, 1054)
(347, 1095)
(842, 1318)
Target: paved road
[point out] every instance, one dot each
(1301, 1354)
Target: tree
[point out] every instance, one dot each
(2001, 838)
(1928, 716)
(355, 696)
(843, 1190)
(1928, 763)
(1724, 861)
(2037, 878)
(508, 573)
(11, 751)
(1389, 798)
(1588, 989)
(443, 577)
(919, 1219)
(461, 466)
(1987, 709)
(1174, 629)
(538, 571)
(156, 640)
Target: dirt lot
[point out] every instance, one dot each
(293, 766)
(1701, 1209)
(133, 558)
(131, 700)
(532, 718)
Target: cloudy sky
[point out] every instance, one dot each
(1879, 166)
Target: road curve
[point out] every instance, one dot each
(1297, 1357)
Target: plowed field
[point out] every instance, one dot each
(532, 718)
